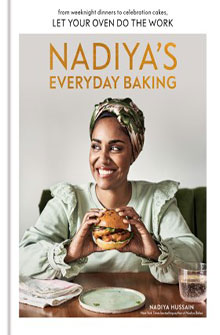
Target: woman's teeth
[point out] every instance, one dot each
(105, 172)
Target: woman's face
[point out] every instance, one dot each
(110, 154)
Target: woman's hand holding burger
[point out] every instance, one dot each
(82, 244)
(109, 231)
(142, 243)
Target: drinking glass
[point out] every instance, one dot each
(192, 282)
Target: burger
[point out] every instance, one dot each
(111, 232)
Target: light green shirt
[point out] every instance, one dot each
(42, 248)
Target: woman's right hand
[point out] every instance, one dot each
(82, 243)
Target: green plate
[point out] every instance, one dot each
(112, 300)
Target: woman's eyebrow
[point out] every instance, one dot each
(115, 141)
(110, 142)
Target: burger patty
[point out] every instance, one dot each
(116, 237)
(100, 232)
(107, 236)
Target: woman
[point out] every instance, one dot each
(60, 244)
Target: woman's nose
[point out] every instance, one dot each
(104, 157)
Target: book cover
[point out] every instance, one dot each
(86, 56)
(62, 78)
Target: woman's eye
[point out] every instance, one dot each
(95, 147)
(115, 148)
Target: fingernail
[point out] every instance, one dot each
(125, 221)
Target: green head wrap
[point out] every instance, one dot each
(128, 115)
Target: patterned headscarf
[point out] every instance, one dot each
(128, 115)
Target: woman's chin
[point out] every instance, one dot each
(111, 182)
(104, 182)
(104, 185)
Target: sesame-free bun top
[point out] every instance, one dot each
(112, 219)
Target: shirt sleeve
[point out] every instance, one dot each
(43, 246)
(174, 239)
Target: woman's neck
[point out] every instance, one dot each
(115, 198)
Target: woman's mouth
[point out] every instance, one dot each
(105, 172)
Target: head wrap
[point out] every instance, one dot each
(128, 115)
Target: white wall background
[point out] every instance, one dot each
(54, 137)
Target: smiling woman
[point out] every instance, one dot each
(60, 245)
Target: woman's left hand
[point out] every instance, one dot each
(142, 243)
